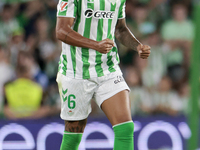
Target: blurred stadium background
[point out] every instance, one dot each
(161, 87)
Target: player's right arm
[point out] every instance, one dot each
(66, 34)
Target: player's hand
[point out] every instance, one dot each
(104, 46)
(143, 51)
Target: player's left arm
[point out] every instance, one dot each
(124, 36)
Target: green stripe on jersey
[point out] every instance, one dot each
(86, 64)
(109, 36)
(109, 57)
(120, 12)
(73, 55)
(75, 8)
(85, 51)
(116, 51)
(59, 64)
(78, 19)
(98, 60)
(64, 68)
(117, 56)
(73, 48)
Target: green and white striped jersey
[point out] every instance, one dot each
(94, 19)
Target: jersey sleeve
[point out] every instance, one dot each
(67, 8)
(121, 13)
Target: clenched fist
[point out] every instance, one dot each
(104, 46)
(143, 51)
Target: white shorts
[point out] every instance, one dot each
(76, 94)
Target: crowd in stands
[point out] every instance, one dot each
(29, 55)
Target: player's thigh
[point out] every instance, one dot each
(112, 96)
(75, 126)
(117, 108)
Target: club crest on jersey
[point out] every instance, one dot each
(63, 6)
(99, 14)
(70, 113)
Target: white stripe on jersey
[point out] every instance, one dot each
(67, 52)
(58, 7)
(114, 21)
(93, 36)
(81, 27)
(105, 32)
(70, 11)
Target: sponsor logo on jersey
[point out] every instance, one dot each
(63, 6)
(119, 79)
(99, 14)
